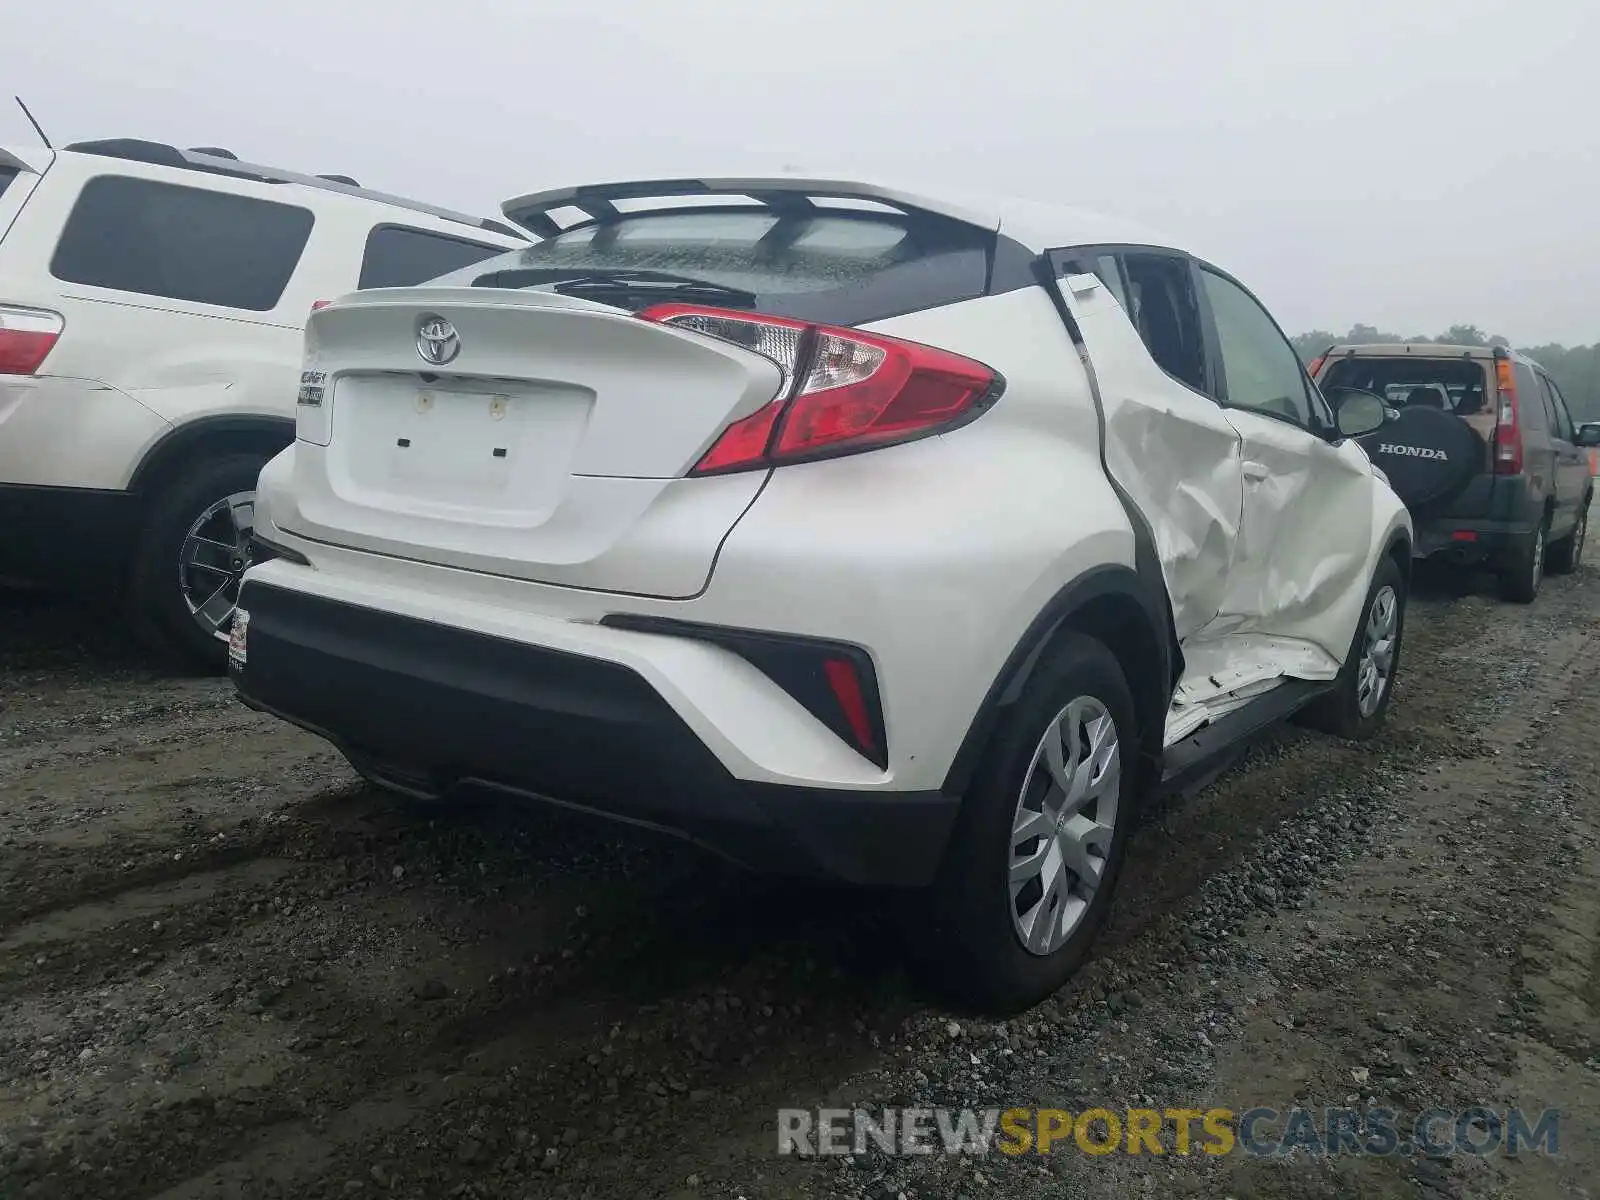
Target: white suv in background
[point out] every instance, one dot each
(837, 528)
(152, 308)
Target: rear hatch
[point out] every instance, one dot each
(520, 418)
(1438, 452)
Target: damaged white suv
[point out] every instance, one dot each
(838, 529)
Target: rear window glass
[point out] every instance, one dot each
(181, 243)
(400, 257)
(7, 174)
(842, 269)
(1458, 385)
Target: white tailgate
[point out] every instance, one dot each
(554, 441)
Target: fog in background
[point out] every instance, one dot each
(1411, 164)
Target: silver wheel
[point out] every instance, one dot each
(1578, 534)
(215, 553)
(1538, 557)
(1063, 825)
(1376, 665)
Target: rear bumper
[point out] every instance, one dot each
(1486, 523)
(437, 709)
(1468, 540)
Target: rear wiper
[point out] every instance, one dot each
(622, 285)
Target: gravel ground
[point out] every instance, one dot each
(229, 969)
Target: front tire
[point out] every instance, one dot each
(1027, 880)
(1356, 707)
(192, 553)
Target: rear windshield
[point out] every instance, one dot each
(845, 269)
(1458, 385)
(400, 257)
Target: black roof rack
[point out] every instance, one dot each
(215, 160)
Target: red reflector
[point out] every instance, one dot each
(1464, 535)
(743, 442)
(27, 335)
(846, 685)
(843, 390)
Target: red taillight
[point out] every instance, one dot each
(1508, 423)
(846, 687)
(1316, 365)
(843, 390)
(27, 335)
(316, 304)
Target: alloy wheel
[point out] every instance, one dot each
(1376, 665)
(1065, 819)
(213, 560)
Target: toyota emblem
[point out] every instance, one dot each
(437, 340)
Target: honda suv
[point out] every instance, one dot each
(151, 307)
(1484, 452)
(840, 529)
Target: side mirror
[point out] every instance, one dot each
(1589, 433)
(1359, 413)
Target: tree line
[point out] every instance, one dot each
(1576, 369)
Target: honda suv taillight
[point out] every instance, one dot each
(1508, 421)
(843, 390)
(27, 335)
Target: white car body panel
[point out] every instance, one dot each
(779, 568)
(1172, 451)
(935, 558)
(573, 478)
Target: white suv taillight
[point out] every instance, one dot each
(27, 335)
(843, 390)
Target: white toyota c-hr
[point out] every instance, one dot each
(838, 529)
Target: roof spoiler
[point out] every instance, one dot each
(785, 195)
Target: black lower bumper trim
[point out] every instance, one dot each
(71, 537)
(432, 710)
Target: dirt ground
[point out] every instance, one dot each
(228, 969)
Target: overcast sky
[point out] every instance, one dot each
(1410, 164)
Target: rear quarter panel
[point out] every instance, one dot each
(937, 555)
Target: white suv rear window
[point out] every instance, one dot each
(181, 243)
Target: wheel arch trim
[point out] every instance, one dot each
(173, 444)
(1112, 581)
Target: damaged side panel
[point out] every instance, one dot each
(1264, 531)
(1171, 451)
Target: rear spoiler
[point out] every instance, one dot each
(785, 195)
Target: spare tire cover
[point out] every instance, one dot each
(1428, 454)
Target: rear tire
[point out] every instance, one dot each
(1523, 572)
(978, 955)
(1563, 557)
(184, 516)
(1373, 661)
